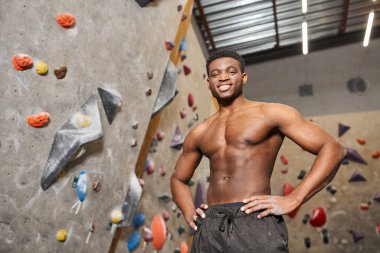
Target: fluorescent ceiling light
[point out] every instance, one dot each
(305, 48)
(304, 6)
(368, 30)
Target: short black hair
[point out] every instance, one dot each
(225, 53)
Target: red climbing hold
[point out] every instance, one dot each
(318, 217)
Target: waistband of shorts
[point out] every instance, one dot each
(219, 210)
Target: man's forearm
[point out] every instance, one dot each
(182, 197)
(323, 170)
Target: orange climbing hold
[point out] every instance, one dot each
(65, 20)
(159, 232)
(184, 248)
(375, 154)
(284, 160)
(22, 61)
(361, 141)
(38, 120)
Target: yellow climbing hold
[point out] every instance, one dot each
(83, 121)
(116, 216)
(41, 68)
(61, 235)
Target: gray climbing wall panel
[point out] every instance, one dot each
(113, 45)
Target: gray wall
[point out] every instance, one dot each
(113, 45)
(328, 71)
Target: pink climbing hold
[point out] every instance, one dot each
(160, 135)
(186, 69)
(150, 167)
(165, 215)
(190, 100)
(162, 170)
(182, 113)
(318, 217)
(147, 234)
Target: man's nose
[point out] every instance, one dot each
(223, 76)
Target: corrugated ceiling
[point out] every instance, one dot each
(249, 26)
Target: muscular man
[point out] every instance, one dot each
(241, 141)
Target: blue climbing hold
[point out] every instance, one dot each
(139, 220)
(133, 241)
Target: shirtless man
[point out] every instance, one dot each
(241, 141)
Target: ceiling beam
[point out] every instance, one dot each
(343, 22)
(275, 23)
(204, 22)
(314, 45)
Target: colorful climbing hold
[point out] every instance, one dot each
(342, 129)
(165, 215)
(147, 234)
(160, 135)
(182, 113)
(133, 241)
(41, 68)
(158, 231)
(148, 92)
(181, 230)
(81, 188)
(184, 248)
(318, 217)
(375, 154)
(149, 166)
(177, 140)
(364, 206)
(150, 75)
(60, 72)
(66, 20)
(190, 100)
(116, 216)
(356, 237)
(22, 62)
(357, 177)
(186, 70)
(302, 174)
(184, 17)
(307, 242)
(141, 182)
(284, 170)
(61, 235)
(96, 185)
(354, 156)
(169, 45)
(377, 197)
(325, 236)
(138, 220)
(162, 170)
(284, 160)
(83, 121)
(361, 141)
(305, 219)
(38, 120)
(331, 189)
(179, 7)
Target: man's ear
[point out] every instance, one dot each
(208, 83)
(245, 78)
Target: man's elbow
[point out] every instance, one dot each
(339, 150)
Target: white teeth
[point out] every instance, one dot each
(224, 87)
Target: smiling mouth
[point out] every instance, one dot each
(224, 87)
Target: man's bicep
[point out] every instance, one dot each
(187, 161)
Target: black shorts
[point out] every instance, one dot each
(227, 229)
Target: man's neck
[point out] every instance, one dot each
(229, 106)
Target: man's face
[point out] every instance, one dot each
(226, 80)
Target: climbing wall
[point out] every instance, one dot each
(352, 211)
(112, 46)
(156, 196)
